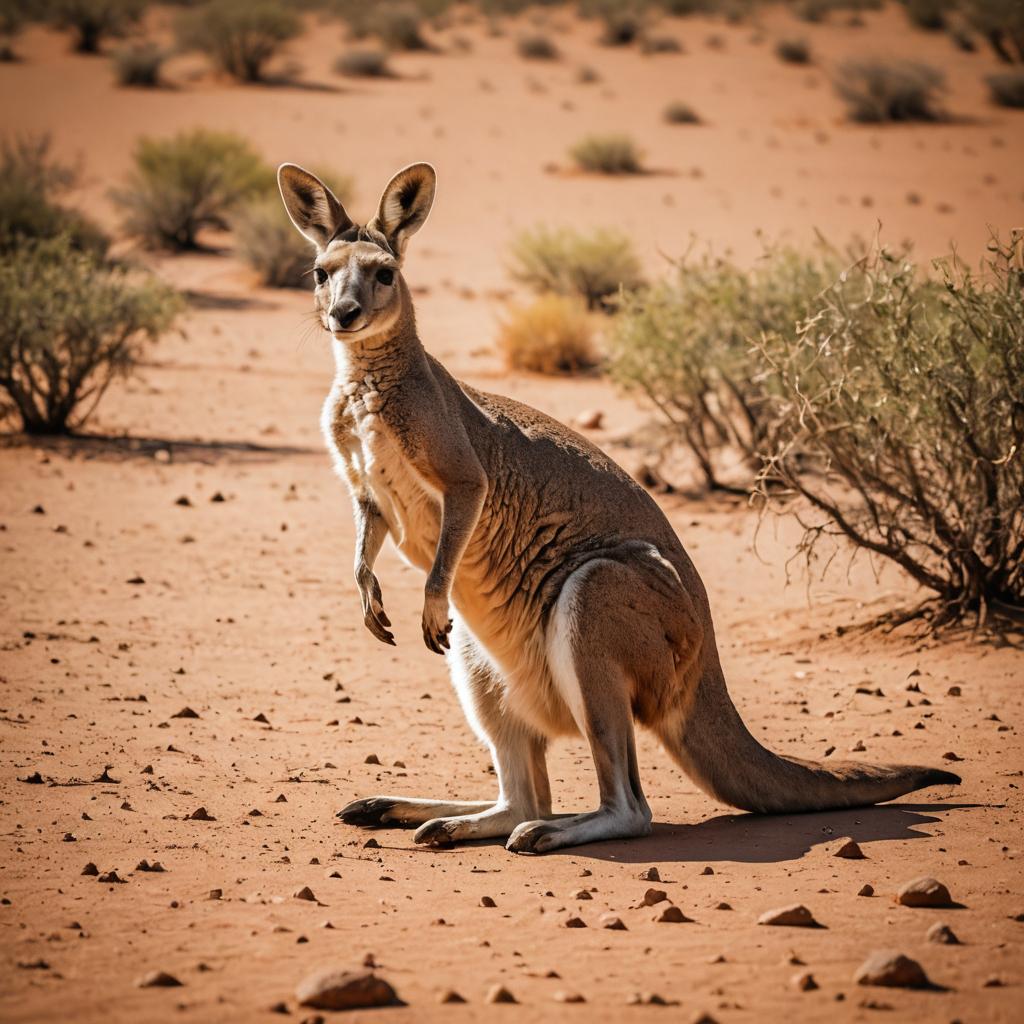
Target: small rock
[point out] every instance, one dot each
(449, 995)
(866, 890)
(653, 896)
(858, 747)
(201, 814)
(371, 844)
(993, 981)
(575, 922)
(185, 713)
(612, 923)
(722, 905)
(158, 979)
(262, 718)
(891, 970)
(590, 419)
(849, 850)
(90, 869)
(111, 876)
(954, 691)
(708, 871)
(581, 894)
(70, 837)
(651, 875)
(280, 799)
(372, 759)
(499, 994)
(344, 990)
(942, 934)
(924, 892)
(794, 916)
(215, 894)
(950, 756)
(305, 893)
(803, 982)
(671, 915)
(144, 865)
(568, 997)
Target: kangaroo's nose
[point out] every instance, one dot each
(346, 315)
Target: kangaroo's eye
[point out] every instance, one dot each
(385, 275)
(319, 275)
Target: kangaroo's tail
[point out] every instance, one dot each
(718, 752)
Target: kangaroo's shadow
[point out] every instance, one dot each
(767, 839)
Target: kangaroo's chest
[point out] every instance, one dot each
(370, 459)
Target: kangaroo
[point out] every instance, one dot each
(555, 586)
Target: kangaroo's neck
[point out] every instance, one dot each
(381, 361)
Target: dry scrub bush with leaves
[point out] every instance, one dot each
(555, 334)
(139, 64)
(878, 90)
(908, 398)
(70, 323)
(537, 47)
(607, 154)
(239, 36)
(93, 21)
(589, 265)
(686, 346)
(187, 183)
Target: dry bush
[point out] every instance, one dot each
(537, 47)
(31, 182)
(622, 25)
(878, 90)
(928, 14)
(139, 64)
(686, 346)
(552, 335)
(13, 16)
(591, 266)
(607, 154)
(793, 50)
(70, 324)
(907, 396)
(678, 112)
(364, 64)
(267, 240)
(1007, 88)
(239, 36)
(394, 23)
(1001, 23)
(189, 182)
(651, 44)
(93, 21)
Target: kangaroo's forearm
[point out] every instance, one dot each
(460, 514)
(371, 531)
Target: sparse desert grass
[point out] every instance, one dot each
(395, 24)
(239, 36)
(793, 50)
(537, 46)
(554, 334)
(70, 324)
(877, 90)
(93, 22)
(999, 22)
(591, 266)
(32, 183)
(188, 182)
(1007, 88)
(607, 154)
(678, 112)
(139, 64)
(267, 240)
(655, 44)
(364, 63)
(819, 10)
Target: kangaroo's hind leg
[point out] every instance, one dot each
(613, 644)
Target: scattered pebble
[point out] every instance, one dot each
(499, 994)
(201, 814)
(185, 713)
(671, 915)
(449, 995)
(653, 896)
(372, 759)
(793, 916)
(590, 419)
(158, 979)
(849, 850)
(866, 890)
(344, 990)
(575, 922)
(90, 869)
(924, 892)
(111, 876)
(612, 923)
(650, 875)
(942, 934)
(568, 997)
(891, 970)
(803, 982)
(305, 893)
(487, 901)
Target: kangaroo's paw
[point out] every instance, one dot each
(402, 812)
(576, 829)
(493, 823)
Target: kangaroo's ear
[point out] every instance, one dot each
(312, 206)
(404, 205)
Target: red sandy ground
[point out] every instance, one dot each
(247, 605)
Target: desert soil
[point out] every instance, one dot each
(121, 605)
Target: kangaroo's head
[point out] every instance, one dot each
(357, 271)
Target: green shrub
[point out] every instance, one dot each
(1007, 88)
(139, 64)
(591, 266)
(678, 112)
(93, 21)
(793, 50)
(686, 347)
(537, 47)
(189, 182)
(267, 240)
(889, 90)
(553, 335)
(30, 182)
(69, 325)
(907, 397)
(364, 63)
(239, 36)
(607, 154)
